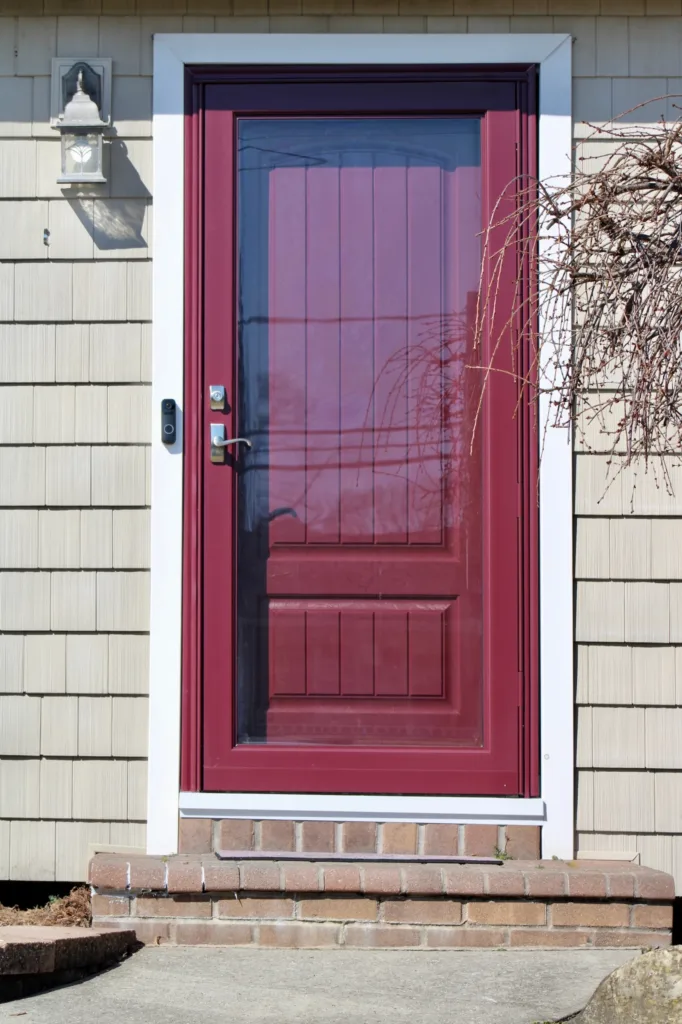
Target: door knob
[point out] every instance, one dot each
(219, 442)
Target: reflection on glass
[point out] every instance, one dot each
(358, 269)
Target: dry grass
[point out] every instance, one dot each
(73, 909)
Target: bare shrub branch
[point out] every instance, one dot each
(605, 325)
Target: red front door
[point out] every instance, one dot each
(359, 626)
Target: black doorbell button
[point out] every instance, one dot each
(168, 421)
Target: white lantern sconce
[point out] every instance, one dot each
(80, 112)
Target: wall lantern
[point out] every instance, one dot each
(81, 94)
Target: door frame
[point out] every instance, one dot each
(506, 761)
(554, 808)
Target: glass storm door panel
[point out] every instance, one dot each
(359, 620)
(359, 506)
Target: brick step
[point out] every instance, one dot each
(357, 839)
(199, 899)
(374, 858)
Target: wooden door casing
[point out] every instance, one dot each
(506, 761)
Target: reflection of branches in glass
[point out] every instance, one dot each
(606, 246)
(429, 402)
(398, 461)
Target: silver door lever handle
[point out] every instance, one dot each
(224, 442)
(219, 442)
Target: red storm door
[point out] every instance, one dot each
(363, 569)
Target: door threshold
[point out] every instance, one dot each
(393, 858)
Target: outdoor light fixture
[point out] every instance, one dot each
(81, 117)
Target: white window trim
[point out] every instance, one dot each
(554, 809)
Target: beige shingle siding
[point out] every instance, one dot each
(94, 727)
(75, 356)
(629, 670)
(56, 788)
(119, 476)
(100, 790)
(32, 850)
(44, 661)
(71, 841)
(74, 427)
(87, 663)
(604, 488)
(623, 801)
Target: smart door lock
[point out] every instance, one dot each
(168, 421)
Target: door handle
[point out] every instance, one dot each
(219, 442)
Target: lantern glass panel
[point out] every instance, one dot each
(82, 156)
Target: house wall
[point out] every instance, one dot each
(75, 422)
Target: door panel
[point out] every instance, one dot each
(357, 648)
(358, 626)
(363, 270)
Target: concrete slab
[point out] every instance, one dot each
(34, 957)
(42, 949)
(194, 985)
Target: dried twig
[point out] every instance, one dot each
(605, 326)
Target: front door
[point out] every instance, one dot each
(360, 616)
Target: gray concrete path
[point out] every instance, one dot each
(191, 985)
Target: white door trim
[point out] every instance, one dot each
(552, 54)
(312, 806)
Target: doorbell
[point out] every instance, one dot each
(168, 421)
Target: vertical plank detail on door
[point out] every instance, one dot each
(361, 648)
(390, 350)
(460, 385)
(288, 644)
(425, 640)
(357, 352)
(323, 644)
(322, 354)
(357, 652)
(287, 375)
(368, 295)
(425, 328)
(390, 666)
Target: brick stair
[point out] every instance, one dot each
(199, 898)
(359, 838)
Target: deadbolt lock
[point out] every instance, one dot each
(216, 394)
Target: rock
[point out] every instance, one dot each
(646, 990)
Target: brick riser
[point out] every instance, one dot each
(200, 900)
(312, 921)
(203, 835)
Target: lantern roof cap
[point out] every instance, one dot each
(81, 111)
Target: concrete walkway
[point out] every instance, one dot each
(191, 985)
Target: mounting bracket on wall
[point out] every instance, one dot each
(96, 83)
